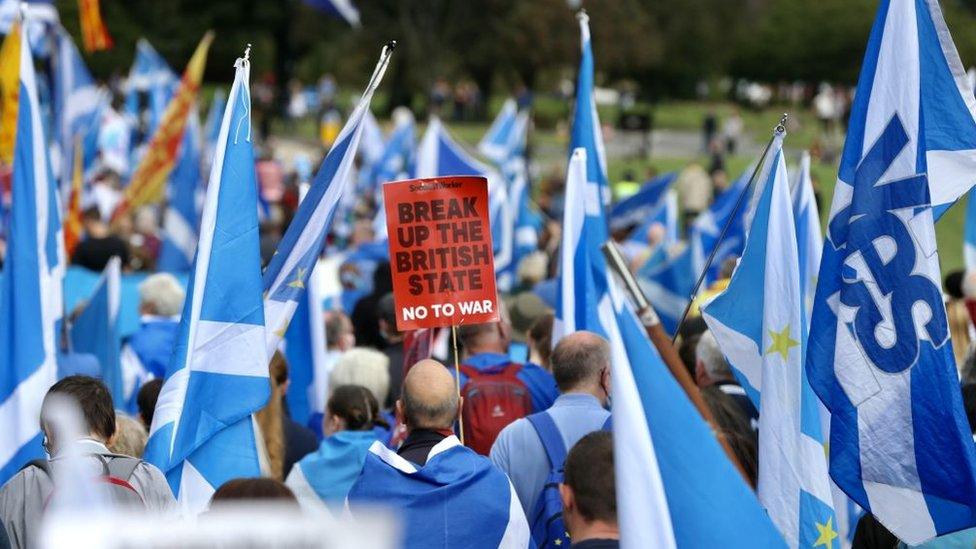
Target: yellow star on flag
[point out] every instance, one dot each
(299, 275)
(827, 534)
(280, 332)
(782, 343)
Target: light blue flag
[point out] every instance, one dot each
(586, 131)
(77, 105)
(526, 220)
(397, 158)
(495, 145)
(373, 142)
(635, 209)
(96, 331)
(151, 75)
(179, 231)
(969, 232)
(202, 433)
(705, 230)
(30, 285)
(759, 322)
(809, 241)
(880, 358)
(671, 473)
(667, 279)
(211, 128)
(287, 274)
(439, 154)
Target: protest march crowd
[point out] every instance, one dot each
(185, 325)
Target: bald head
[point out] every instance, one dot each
(579, 361)
(429, 399)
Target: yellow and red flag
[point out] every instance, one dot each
(94, 33)
(149, 180)
(72, 218)
(9, 90)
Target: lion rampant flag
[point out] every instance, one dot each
(9, 90)
(94, 33)
(72, 219)
(149, 180)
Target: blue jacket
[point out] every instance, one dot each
(331, 470)
(540, 383)
(153, 343)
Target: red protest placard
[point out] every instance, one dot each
(440, 252)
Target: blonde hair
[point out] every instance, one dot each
(130, 436)
(269, 418)
(959, 324)
(163, 292)
(366, 367)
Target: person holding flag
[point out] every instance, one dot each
(202, 433)
(880, 358)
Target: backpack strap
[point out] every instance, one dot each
(551, 438)
(119, 466)
(468, 371)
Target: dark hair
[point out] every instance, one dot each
(734, 426)
(953, 284)
(589, 473)
(252, 489)
(541, 335)
(93, 399)
(969, 403)
(91, 213)
(688, 352)
(356, 405)
(386, 310)
(146, 400)
(575, 362)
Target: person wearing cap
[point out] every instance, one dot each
(524, 309)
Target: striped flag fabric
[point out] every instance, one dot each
(760, 324)
(149, 180)
(809, 239)
(96, 330)
(179, 230)
(151, 75)
(202, 433)
(30, 284)
(287, 274)
(495, 145)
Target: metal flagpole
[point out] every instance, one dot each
(777, 130)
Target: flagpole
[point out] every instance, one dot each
(669, 355)
(457, 382)
(777, 130)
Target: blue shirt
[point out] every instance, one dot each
(153, 343)
(540, 383)
(519, 452)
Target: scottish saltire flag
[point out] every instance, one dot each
(495, 144)
(759, 322)
(880, 358)
(439, 154)
(809, 241)
(30, 284)
(150, 75)
(666, 457)
(341, 9)
(288, 272)
(398, 155)
(373, 142)
(202, 433)
(667, 279)
(211, 128)
(96, 330)
(705, 230)
(77, 106)
(586, 131)
(179, 232)
(645, 203)
(528, 221)
(969, 232)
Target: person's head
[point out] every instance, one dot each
(92, 218)
(491, 337)
(588, 491)
(429, 399)
(146, 400)
(540, 341)
(161, 295)
(130, 436)
(339, 334)
(711, 367)
(953, 284)
(350, 408)
(362, 366)
(93, 401)
(581, 364)
(386, 319)
(734, 425)
(251, 489)
(688, 336)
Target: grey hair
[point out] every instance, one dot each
(362, 366)
(163, 292)
(426, 415)
(576, 361)
(711, 357)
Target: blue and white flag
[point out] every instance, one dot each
(288, 272)
(341, 9)
(77, 105)
(398, 155)
(495, 144)
(635, 209)
(202, 433)
(668, 283)
(96, 330)
(969, 232)
(705, 230)
(586, 131)
(30, 284)
(759, 322)
(526, 220)
(211, 129)
(880, 358)
(809, 241)
(373, 142)
(179, 231)
(150, 74)
(666, 457)
(439, 154)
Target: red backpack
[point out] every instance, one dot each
(493, 398)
